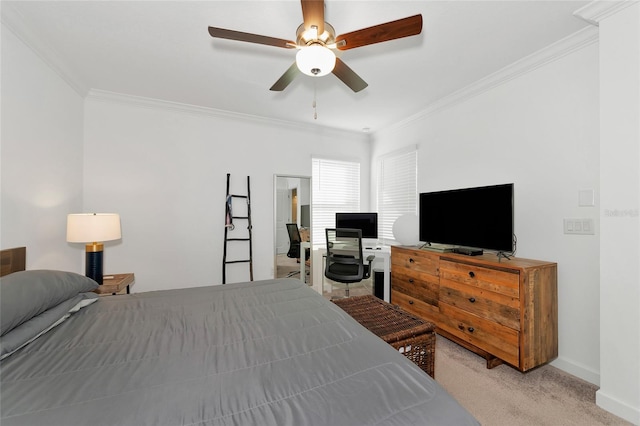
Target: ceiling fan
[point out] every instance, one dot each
(316, 40)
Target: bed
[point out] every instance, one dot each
(270, 352)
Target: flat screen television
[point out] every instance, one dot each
(480, 217)
(367, 222)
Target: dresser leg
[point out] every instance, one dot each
(493, 362)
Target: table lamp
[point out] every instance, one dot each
(405, 229)
(93, 229)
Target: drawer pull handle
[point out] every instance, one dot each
(471, 329)
(472, 274)
(411, 280)
(472, 299)
(411, 260)
(411, 302)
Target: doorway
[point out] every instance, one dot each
(292, 204)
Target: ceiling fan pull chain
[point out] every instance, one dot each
(315, 109)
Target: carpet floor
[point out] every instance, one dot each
(504, 396)
(501, 396)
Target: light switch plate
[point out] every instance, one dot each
(579, 226)
(586, 198)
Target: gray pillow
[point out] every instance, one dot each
(26, 294)
(38, 325)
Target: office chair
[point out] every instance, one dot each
(344, 257)
(294, 245)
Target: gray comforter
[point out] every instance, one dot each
(263, 353)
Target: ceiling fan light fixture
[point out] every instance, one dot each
(307, 36)
(315, 60)
(310, 34)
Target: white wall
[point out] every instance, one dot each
(41, 158)
(164, 170)
(539, 131)
(620, 242)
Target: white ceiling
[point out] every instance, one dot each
(162, 50)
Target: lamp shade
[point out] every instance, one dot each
(93, 227)
(315, 60)
(405, 230)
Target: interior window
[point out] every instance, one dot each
(397, 176)
(336, 188)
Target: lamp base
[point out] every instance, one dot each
(93, 261)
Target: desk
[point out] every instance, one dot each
(304, 245)
(383, 253)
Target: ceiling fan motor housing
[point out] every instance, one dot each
(305, 37)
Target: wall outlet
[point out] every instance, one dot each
(582, 226)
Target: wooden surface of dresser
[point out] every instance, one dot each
(415, 284)
(503, 310)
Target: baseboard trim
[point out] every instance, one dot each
(617, 407)
(603, 400)
(578, 370)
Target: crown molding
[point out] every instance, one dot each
(14, 22)
(598, 10)
(157, 104)
(592, 13)
(551, 53)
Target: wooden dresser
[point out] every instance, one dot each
(505, 311)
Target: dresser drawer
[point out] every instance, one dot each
(415, 260)
(496, 307)
(489, 336)
(419, 285)
(496, 280)
(501, 309)
(415, 306)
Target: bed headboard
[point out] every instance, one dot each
(12, 260)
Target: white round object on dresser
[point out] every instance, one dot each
(405, 230)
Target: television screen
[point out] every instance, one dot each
(480, 217)
(367, 222)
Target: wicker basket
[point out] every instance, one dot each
(410, 335)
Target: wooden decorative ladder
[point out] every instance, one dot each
(230, 226)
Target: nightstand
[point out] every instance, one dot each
(115, 283)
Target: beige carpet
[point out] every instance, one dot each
(286, 266)
(504, 396)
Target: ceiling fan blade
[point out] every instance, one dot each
(313, 14)
(286, 78)
(348, 76)
(251, 38)
(378, 33)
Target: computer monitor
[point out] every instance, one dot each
(305, 216)
(366, 222)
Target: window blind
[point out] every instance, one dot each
(336, 188)
(397, 189)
